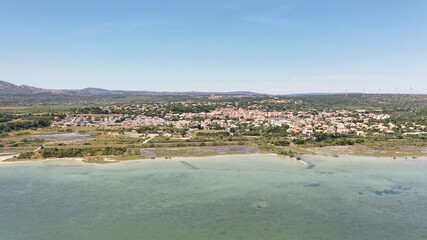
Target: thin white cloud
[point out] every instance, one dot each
(275, 15)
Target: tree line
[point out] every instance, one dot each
(81, 152)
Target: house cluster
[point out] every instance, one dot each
(334, 122)
(125, 120)
(230, 117)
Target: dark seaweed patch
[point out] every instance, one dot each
(310, 166)
(186, 164)
(312, 185)
(394, 190)
(401, 188)
(387, 192)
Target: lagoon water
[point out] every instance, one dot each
(65, 136)
(223, 197)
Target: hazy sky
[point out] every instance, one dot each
(219, 45)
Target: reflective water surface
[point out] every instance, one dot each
(65, 136)
(224, 197)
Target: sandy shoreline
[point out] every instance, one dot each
(3, 162)
(306, 163)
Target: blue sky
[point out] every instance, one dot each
(266, 46)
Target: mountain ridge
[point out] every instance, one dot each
(8, 89)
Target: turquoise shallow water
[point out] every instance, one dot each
(225, 197)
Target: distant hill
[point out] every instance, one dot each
(10, 89)
(7, 88)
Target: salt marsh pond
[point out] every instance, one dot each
(64, 136)
(222, 197)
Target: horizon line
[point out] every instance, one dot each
(345, 92)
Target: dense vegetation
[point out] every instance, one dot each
(90, 110)
(81, 152)
(25, 124)
(5, 117)
(322, 139)
(211, 133)
(98, 110)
